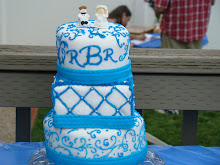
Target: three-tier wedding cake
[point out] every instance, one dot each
(93, 120)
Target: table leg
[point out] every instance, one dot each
(140, 111)
(189, 127)
(23, 124)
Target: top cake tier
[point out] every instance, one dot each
(92, 48)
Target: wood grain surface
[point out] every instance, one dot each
(43, 58)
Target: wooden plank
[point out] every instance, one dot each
(154, 140)
(184, 92)
(26, 89)
(41, 58)
(23, 124)
(136, 52)
(189, 127)
(159, 85)
(28, 58)
(175, 60)
(152, 91)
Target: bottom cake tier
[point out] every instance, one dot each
(95, 146)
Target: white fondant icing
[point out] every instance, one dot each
(96, 143)
(82, 109)
(70, 98)
(83, 100)
(106, 109)
(74, 44)
(62, 109)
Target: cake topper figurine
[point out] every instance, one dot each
(101, 16)
(83, 17)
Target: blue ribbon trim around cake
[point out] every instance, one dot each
(91, 121)
(94, 77)
(61, 159)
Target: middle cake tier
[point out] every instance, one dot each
(75, 104)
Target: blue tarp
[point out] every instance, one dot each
(157, 42)
(20, 153)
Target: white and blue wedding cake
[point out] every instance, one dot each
(93, 120)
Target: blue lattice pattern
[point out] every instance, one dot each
(109, 100)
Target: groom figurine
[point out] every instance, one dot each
(83, 17)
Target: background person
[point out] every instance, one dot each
(184, 22)
(122, 15)
(183, 26)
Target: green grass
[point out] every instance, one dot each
(37, 131)
(165, 127)
(168, 127)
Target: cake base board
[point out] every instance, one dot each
(40, 158)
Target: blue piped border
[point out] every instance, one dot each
(91, 121)
(61, 159)
(94, 77)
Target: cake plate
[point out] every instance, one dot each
(40, 158)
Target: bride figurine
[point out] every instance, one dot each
(101, 16)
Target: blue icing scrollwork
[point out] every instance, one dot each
(66, 141)
(141, 139)
(62, 51)
(71, 32)
(75, 33)
(63, 150)
(105, 142)
(70, 26)
(92, 133)
(118, 143)
(95, 32)
(78, 144)
(104, 145)
(120, 154)
(48, 120)
(116, 32)
(72, 130)
(51, 135)
(122, 57)
(119, 132)
(60, 28)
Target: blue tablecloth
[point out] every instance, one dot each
(157, 42)
(20, 153)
